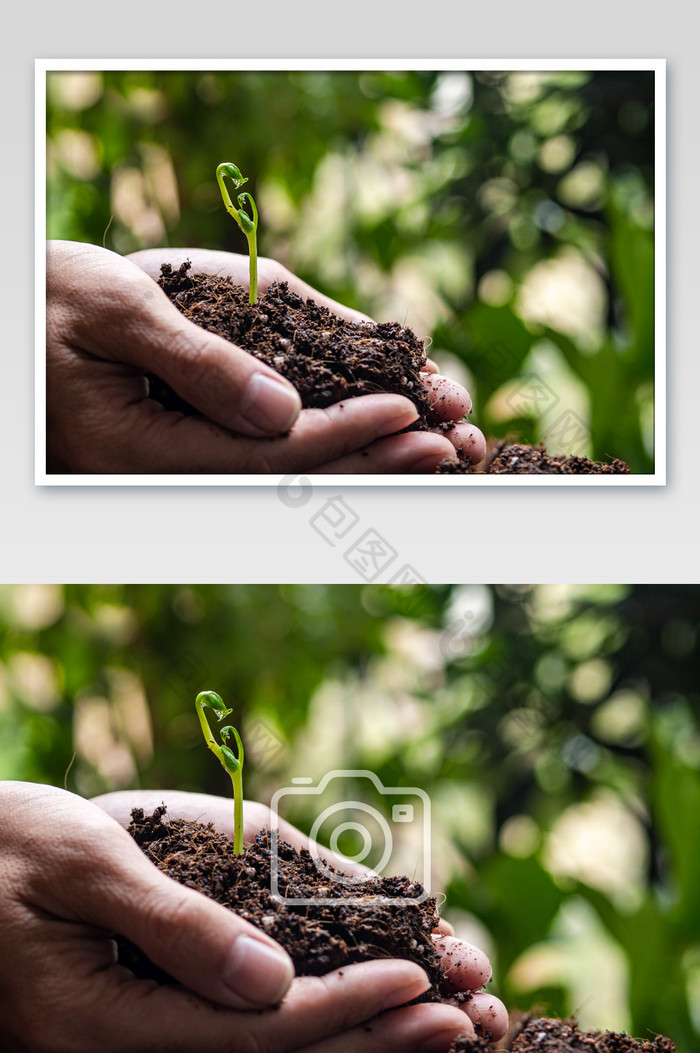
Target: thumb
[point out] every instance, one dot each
(117, 312)
(228, 385)
(202, 944)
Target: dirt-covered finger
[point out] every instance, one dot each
(153, 440)
(448, 398)
(468, 440)
(346, 427)
(444, 928)
(136, 1014)
(468, 968)
(488, 1015)
(416, 451)
(317, 1007)
(427, 1028)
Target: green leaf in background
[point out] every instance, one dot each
(429, 197)
(556, 729)
(675, 793)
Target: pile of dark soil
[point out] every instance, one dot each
(320, 937)
(325, 357)
(328, 359)
(325, 936)
(510, 458)
(563, 1036)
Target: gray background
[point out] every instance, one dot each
(250, 534)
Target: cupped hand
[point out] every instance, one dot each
(468, 968)
(71, 878)
(449, 399)
(109, 324)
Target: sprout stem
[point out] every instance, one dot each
(226, 757)
(248, 224)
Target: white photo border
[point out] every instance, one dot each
(657, 66)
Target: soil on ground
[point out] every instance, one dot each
(325, 936)
(544, 1035)
(326, 358)
(514, 458)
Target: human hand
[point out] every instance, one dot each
(108, 325)
(71, 877)
(449, 399)
(468, 968)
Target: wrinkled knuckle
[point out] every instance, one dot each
(190, 359)
(167, 924)
(58, 323)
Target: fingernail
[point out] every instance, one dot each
(270, 403)
(258, 972)
(407, 991)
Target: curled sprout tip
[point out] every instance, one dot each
(248, 224)
(232, 764)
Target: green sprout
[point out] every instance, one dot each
(248, 224)
(233, 765)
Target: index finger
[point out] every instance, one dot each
(235, 266)
(206, 808)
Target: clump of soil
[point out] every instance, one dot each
(325, 357)
(325, 936)
(510, 458)
(329, 359)
(319, 937)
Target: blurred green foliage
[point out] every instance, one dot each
(555, 729)
(507, 216)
